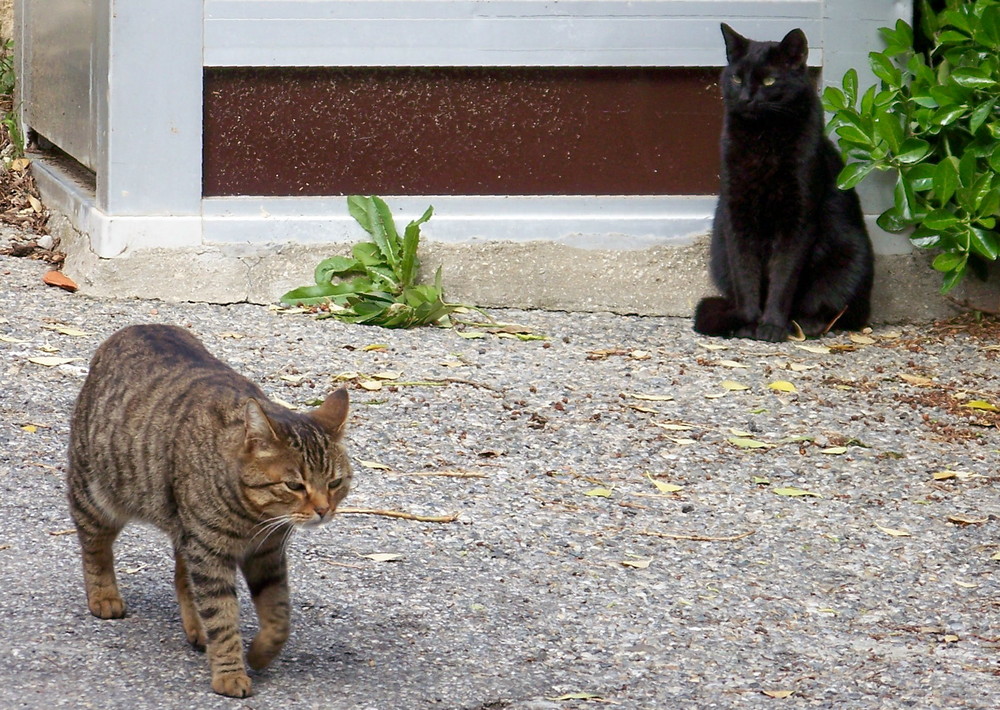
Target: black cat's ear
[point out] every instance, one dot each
(332, 414)
(795, 48)
(736, 44)
(260, 434)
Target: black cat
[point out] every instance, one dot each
(787, 244)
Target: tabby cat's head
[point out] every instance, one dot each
(765, 78)
(295, 467)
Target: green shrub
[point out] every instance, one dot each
(933, 120)
(375, 285)
(8, 116)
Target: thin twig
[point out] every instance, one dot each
(697, 538)
(447, 474)
(399, 514)
(344, 564)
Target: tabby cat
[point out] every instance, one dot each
(165, 433)
(787, 244)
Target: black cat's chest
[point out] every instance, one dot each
(761, 180)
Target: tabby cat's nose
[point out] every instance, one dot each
(321, 512)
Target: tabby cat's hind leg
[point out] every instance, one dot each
(97, 536)
(193, 629)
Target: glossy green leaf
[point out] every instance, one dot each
(884, 68)
(890, 130)
(980, 114)
(985, 243)
(946, 179)
(852, 174)
(912, 150)
(973, 78)
(948, 261)
(850, 84)
(939, 220)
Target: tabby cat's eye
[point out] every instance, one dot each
(336, 483)
(768, 81)
(294, 486)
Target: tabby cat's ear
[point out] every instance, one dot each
(736, 44)
(332, 414)
(260, 435)
(795, 48)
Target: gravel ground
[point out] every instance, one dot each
(568, 572)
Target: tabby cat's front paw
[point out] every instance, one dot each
(235, 684)
(772, 333)
(106, 605)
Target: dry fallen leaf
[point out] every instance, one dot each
(598, 493)
(67, 330)
(734, 386)
(375, 346)
(834, 450)
(733, 364)
(712, 346)
(815, 349)
(649, 397)
(916, 380)
(644, 410)
(861, 339)
(9, 339)
(893, 531)
(370, 385)
(52, 361)
(799, 367)
(960, 475)
(980, 404)
(58, 278)
(745, 443)
(637, 563)
(383, 556)
(375, 465)
(778, 693)
(671, 426)
(782, 386)
(664, 487)
(795, 492)
(387, 375)
(965, 520)
(575, 696)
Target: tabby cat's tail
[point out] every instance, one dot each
(716, 316)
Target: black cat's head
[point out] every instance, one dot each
(765, 78)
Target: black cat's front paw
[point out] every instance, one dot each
(747, 331)
(771, 333)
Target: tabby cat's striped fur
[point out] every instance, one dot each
(166, 433)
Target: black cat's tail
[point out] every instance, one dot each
(716, 316)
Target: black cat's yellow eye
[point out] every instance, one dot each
(737, 80)
(768, 81)
(295, 486)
